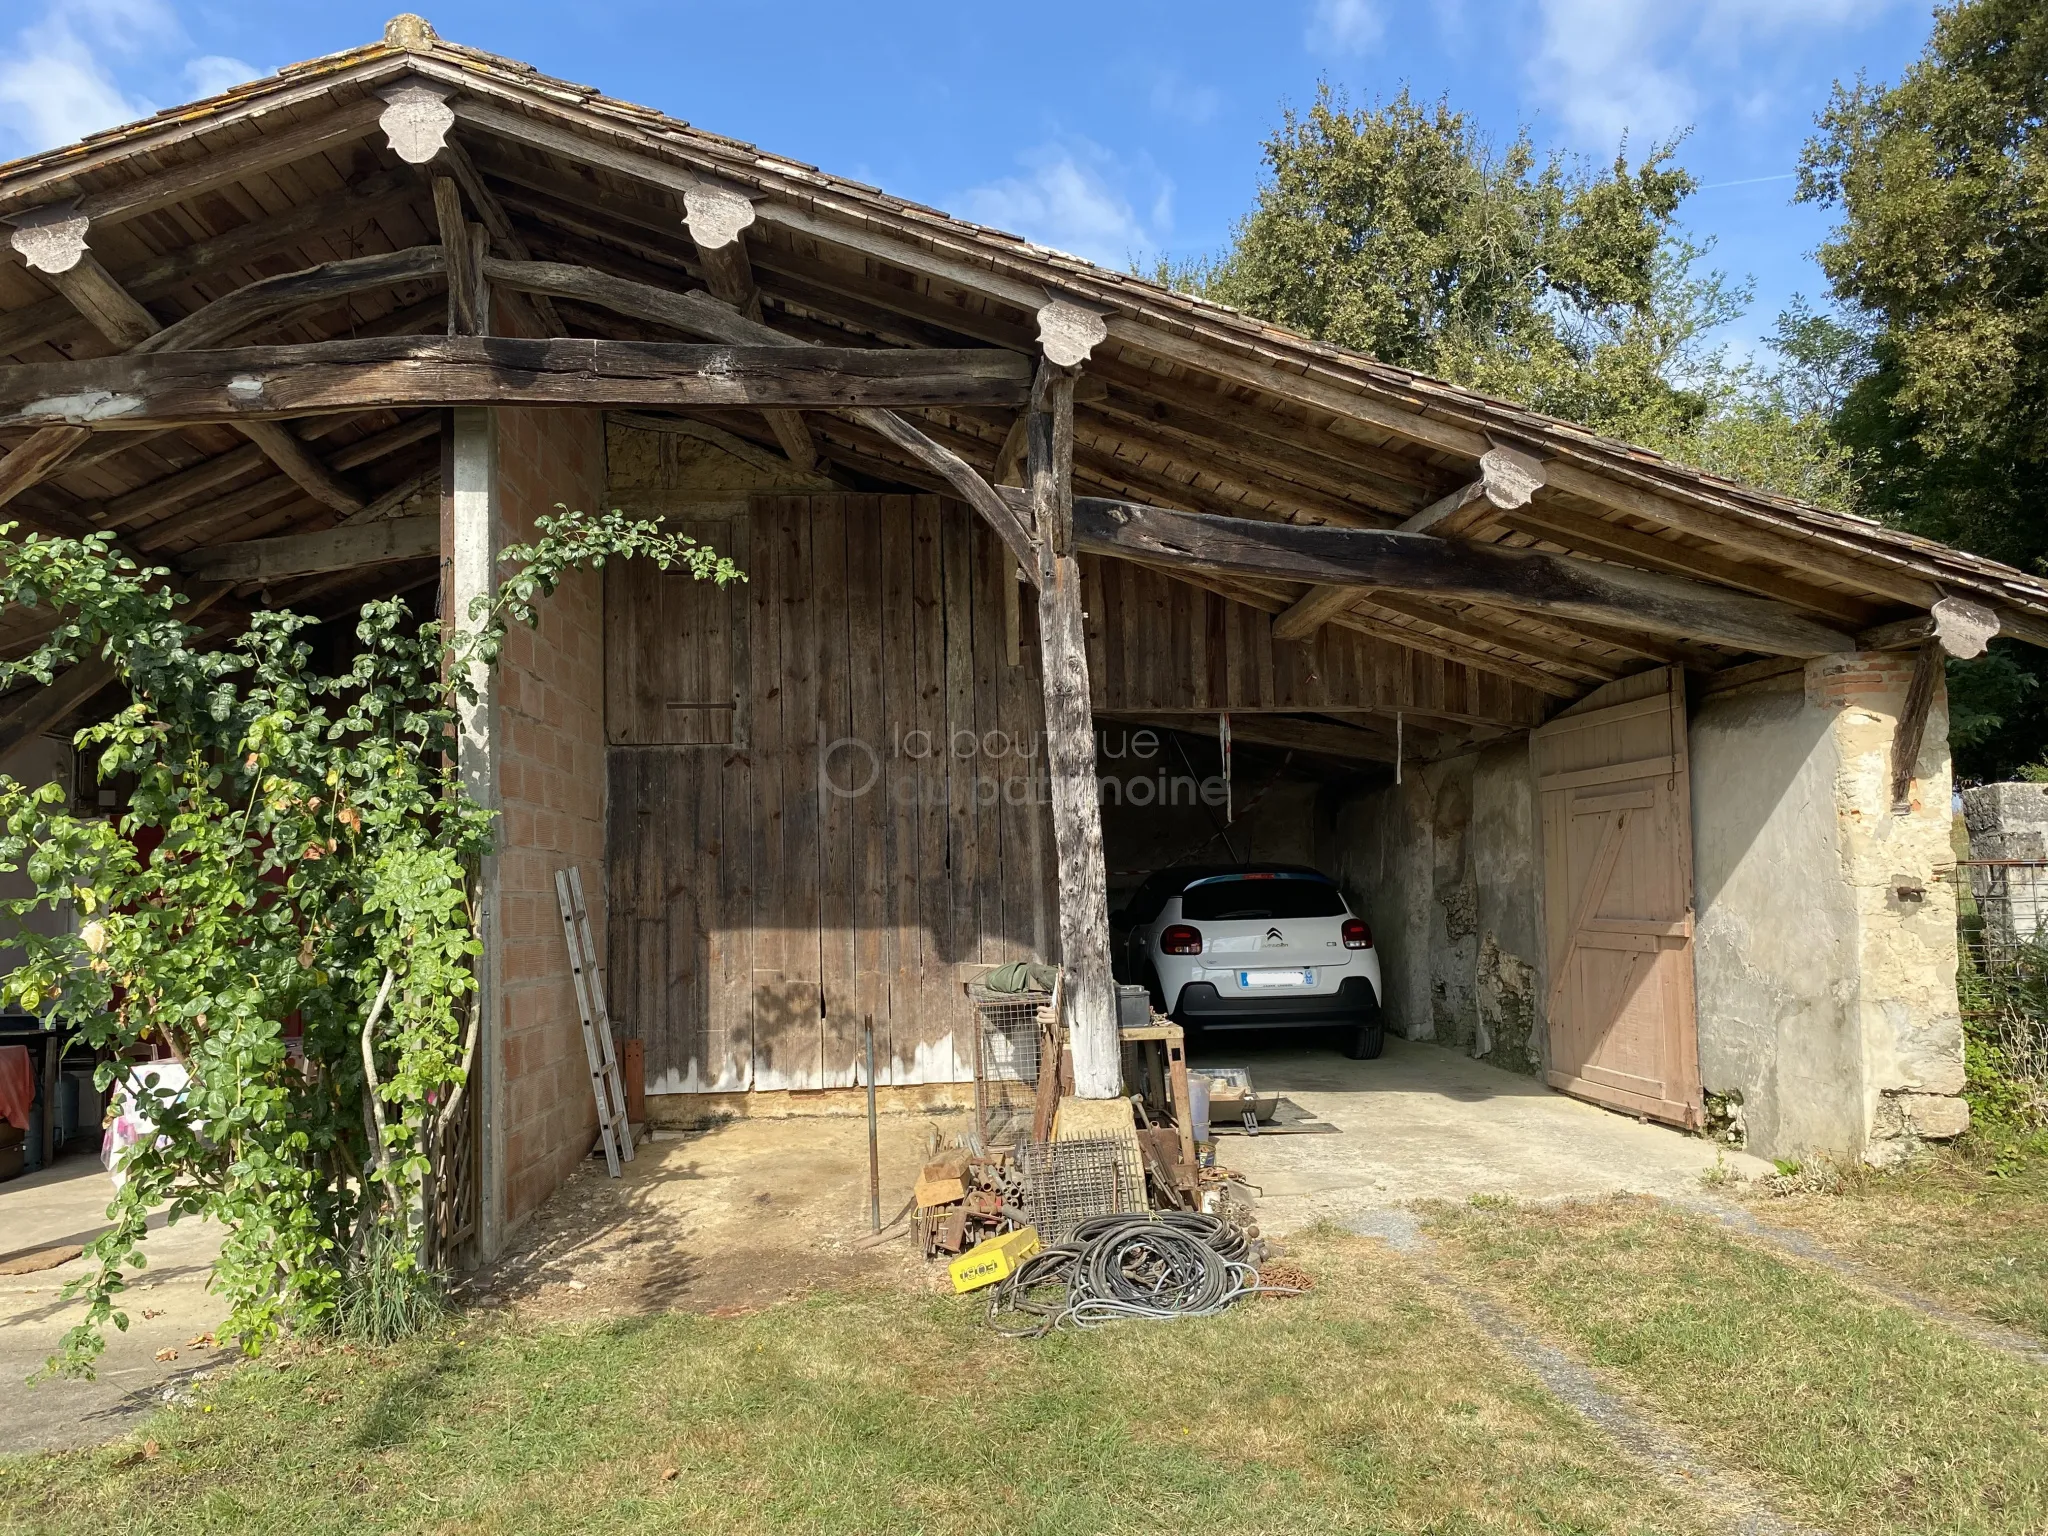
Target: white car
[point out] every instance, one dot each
(1256, 946)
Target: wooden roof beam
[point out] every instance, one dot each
(1320, 737)
(717, 221)
(462, 256)
(1242, 355)
(1589, 534)
(179, 182)
(702, 315)
(126, 324)
(258, 383)
(1515, 579)
(1506, 479)
(49, 319)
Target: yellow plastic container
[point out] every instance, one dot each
(992, 1260)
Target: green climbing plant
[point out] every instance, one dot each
(286, 906)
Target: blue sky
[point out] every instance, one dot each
(1113, 130)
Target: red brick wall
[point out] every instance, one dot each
(551, 786)
(1858, 677)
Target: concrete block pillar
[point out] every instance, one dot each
(471, 536)
(1825, 946)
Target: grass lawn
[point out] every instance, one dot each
(1369, 1405)
(1956, 1227)
(1855, 1413)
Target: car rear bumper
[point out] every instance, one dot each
(1201, 1006)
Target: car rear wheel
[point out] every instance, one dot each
(1367, 1039)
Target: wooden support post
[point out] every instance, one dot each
(1912, 726)
(463, 318)
(503, 237)
(1070, 742)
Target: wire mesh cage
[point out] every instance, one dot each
(2002, 981)
(1067, 1182)
(1010, 1035)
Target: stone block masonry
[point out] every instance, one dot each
(1446, 867)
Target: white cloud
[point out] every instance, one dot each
(1070, 197)
(1609, 67)
(61, 76)
(1344, 26)
(53, 88)
(213, 73)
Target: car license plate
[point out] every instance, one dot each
(1252, 979)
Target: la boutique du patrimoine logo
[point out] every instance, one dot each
(996, 768)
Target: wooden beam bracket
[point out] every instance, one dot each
(1960, 627)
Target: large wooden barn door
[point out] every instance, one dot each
(1617, 850)
(825, 796)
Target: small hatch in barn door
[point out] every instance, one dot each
(1617, 866)
(676, 647)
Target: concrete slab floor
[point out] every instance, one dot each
(167, 1306)
(1424, 1122)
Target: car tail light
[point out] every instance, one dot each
(1180, 939)
(1357, 934)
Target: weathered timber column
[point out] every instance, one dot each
(1070, 741)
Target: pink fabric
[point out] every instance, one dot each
(17, 1085)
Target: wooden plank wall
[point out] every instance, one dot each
(1162, 646)
(760, 914)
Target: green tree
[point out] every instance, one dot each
(1941, 260)
(1401, 230)
(286, 906)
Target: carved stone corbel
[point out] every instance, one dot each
(1067, 333)
(50, 238)
(417, 120)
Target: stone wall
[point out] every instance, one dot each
(1446, 869)
(2009, 822)
(1825, 945)
(551, 746)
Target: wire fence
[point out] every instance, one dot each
(2002, 980)
(1009, 1040)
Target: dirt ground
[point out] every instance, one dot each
(723, 1221)
(736, 1218)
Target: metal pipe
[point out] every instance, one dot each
(874, 1143)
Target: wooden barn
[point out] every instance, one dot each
(1640, 775)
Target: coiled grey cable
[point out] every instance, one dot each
(1159, 1268)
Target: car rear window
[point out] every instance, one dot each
(1253, 897)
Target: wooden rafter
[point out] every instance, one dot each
(312, 554)
(159, 276)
